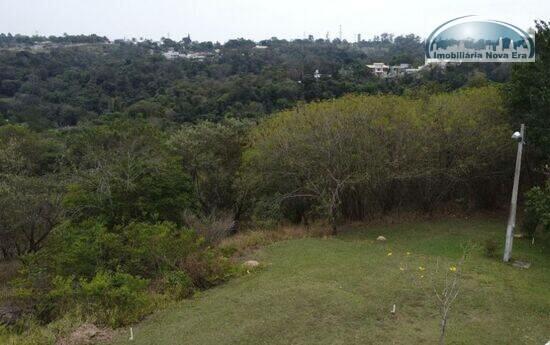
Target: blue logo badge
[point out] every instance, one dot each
(474, 39)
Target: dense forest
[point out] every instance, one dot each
(80, 78)
(121, 169)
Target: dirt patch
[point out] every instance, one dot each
(8, 271)
(86, 334)
(10, 314)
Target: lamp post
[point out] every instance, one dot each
(519, 137)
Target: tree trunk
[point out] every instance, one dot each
(334, 228)
(333, 210)
(305, 220)
(443, 328)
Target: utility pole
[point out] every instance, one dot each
(513, 204)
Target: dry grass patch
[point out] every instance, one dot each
(8, 271)
(243, 243)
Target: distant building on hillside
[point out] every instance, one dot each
(316, 74)
(172, 54)
(399, 70)
(384, 71)
(200, 56)
(379, 69)
(413, 70)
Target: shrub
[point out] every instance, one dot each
(123, 174)
(207, 268)
(178, 284)
(213, 227)
(59, 300)
(90, 270)
(74, 250)
(154, 248)
(140, 249)
(115, 299)
(491, 247)
(362, 154)
(112, 299)
(105, 272)
(538, 209)
(267, 212)
(530, 223)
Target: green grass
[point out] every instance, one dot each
(341, 290)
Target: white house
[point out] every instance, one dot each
(316, 74)
(172, 54)
(379, 69)
(384, 71)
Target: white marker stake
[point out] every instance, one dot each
(393, 309)
(131, 334)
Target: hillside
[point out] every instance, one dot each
(341, 291)
(63, 81)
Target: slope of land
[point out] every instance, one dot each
(341, 291)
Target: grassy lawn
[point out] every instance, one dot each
(341, 291)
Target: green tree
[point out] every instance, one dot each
(362, 154)
(211, 155)
(537, 209)
(124, 172)
(529, 97)
(31, 189)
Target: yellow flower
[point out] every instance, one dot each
(420, 268)
(422, 276)
(390, 254)
(452, 268)
(408, 253)
(401, 269)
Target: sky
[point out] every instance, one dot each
(211, 20)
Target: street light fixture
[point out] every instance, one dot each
(519, 137)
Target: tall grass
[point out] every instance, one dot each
(247, 241)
